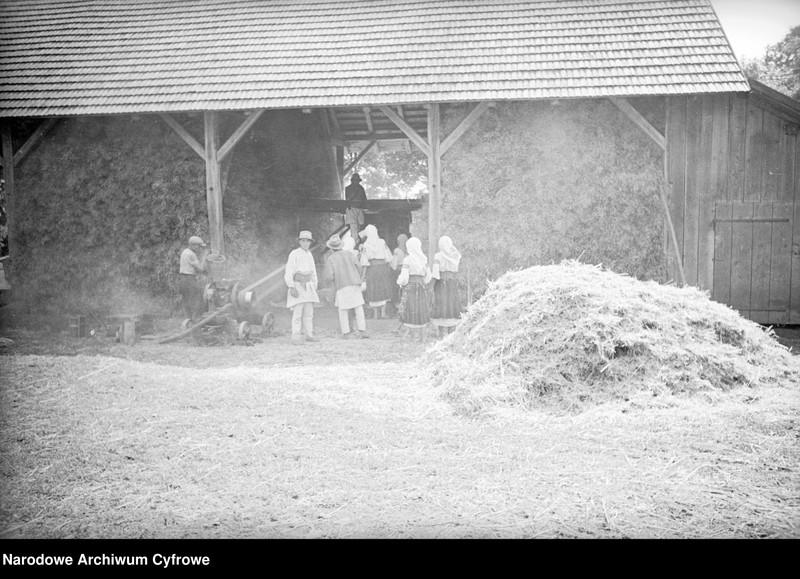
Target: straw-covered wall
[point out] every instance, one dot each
(104, 207)
(535, 183)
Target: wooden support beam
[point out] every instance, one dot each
(336, 130)
(662, 193)
(332, 152)
(406, 142)
(434, 178)
(238, 134)
(464, 125)
(407, 130)
(640, 121)
(190, 140)
(213, 183)
(10, 193)
(33, 140)
(368, 118)
(355, 161)
(340, 162)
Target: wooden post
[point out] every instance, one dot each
(213, 184)
(8, 172)
(434, 178)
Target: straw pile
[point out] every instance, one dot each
(572, 335)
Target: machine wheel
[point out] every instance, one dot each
(267, 323)
(234, 299)
(244, 330)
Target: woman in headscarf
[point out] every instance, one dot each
(446, 302)
(375, 258)
(398, 255)
(414, 308)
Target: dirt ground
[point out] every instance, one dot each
(345, 439)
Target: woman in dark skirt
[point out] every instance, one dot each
(414, 278)
(375, 258)
(447, 304)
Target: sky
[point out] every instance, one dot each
(751, 25)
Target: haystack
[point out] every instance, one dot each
(572, 335)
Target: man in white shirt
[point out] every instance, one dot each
(188, 284)
(301, 278)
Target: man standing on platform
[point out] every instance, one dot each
(355, 202)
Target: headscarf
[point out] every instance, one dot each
(401, 242)
(415, 258)
(374, 246)
(372, 240)
(348, 243)
(448, 254)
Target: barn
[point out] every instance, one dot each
(620, 132)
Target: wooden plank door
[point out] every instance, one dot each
(753, 259)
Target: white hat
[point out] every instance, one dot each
(194, 240)
(305, 235)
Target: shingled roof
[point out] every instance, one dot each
(78, 57)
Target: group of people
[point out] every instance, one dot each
(373, 276)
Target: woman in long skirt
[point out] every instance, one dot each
(398, 255)
(414, 278)
(446, 302)
(376, 257)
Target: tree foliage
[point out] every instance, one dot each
(392, 174)
(779, 68)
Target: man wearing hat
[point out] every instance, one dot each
(343, 270)
(301, 278)
(188, 284)
(355, 202)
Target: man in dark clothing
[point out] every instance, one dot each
(355, 203)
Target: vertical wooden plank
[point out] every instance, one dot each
(741, 256)
(794, 292)
(705, 194)
(10, 193)
(787, 183)
(676, 168)
(213, 182)
(434, 178)
(694, 168)
(722, 253)
(720, 147)
(737, 126)
(772, 173)
(781, 268)
(754, 152)
(762, 250)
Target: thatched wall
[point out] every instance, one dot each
(535, 183)
(104, 207)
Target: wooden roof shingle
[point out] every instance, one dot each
(76, 57)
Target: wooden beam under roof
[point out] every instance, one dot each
(368, 119)
(406, 142)
(408, 130)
